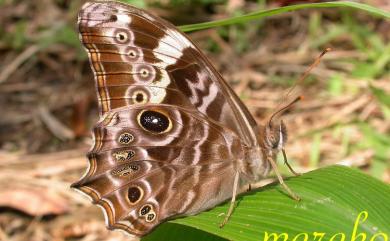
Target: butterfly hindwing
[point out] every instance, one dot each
(178, 172)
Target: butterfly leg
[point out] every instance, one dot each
(232, 202)
(288, 165)
(280, 178)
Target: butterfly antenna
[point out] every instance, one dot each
(308, 70)
(281, 110)
(303, 77)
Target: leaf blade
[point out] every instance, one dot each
(332, 197)
(270, 12)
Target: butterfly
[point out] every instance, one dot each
(173, 139)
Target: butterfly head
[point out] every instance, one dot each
(275, 136)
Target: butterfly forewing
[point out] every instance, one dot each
(138, 58)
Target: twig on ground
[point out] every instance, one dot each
(13, 66)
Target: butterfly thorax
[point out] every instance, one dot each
(254, 166)
(271, 141)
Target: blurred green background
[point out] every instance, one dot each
(48, 104)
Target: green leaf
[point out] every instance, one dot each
(138, 3)
(332, 200)
(265, 13)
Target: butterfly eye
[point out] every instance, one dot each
(277, 136)
(275, 143)
(273, 138)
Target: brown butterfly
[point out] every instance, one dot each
(173, 138)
